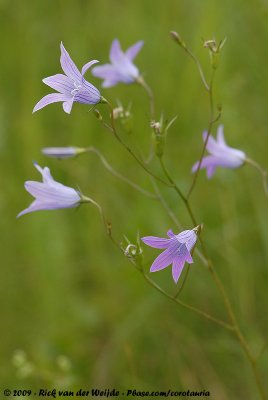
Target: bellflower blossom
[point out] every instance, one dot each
(72, 86)
(221, 155)
(50, 195)
(121, 68)
(177, 250)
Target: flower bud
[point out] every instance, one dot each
(176, 37)
(62, 152)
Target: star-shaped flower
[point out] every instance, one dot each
(178, 250)
(72, 86)
(121, 68)
(221, 155)
(51, 195)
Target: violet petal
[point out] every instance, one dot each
(60, 82)
(156, 242)
(49, 99)
(69, 66)
(134, 50)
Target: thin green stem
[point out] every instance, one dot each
(183, 45)
(235, 325)
(199, 67)
(150, 94)
(117, 174)
(211, 122)
(171, 181)
(129, 150)
(185, 305)
(106, 223)
(262, 171)
(179, 192)
(179, 291)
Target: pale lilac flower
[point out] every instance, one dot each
(221, 155)
(49, 194)
(62, 152)
(72, 86)
(177, 250)
(121, 68)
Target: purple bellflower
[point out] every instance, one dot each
(50, 195)
(121, 68)
(221, 155)
(72, 86)
(177, 250)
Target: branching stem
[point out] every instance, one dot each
(117, 174)
(129, 150)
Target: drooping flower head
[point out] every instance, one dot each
(50, 195)
(72, 86)
(221, 155)
(177, 250)
(121, 68)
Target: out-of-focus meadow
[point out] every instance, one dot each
(69, 299)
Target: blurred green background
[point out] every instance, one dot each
(74, 311)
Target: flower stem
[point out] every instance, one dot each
(240, 337)
(117, 174)
(262, 171)
(178, 292)
(179, 192)
(212, 120)
(106, 223)
(199, 67)
(129, 150)
(150, 94)
(185, 305)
